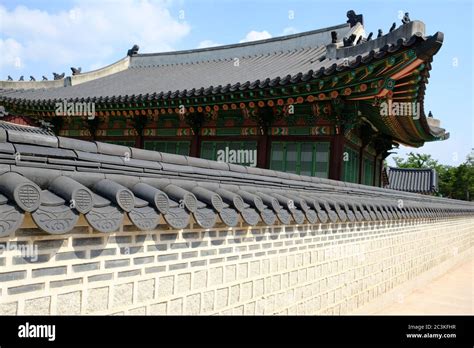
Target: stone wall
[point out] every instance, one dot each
(305, 269)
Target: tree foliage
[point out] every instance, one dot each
(454, 182)
(417, 160)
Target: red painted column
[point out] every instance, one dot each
(263, 150)
(336, 155)
(361, 164)
(140, 140)
(195, 146)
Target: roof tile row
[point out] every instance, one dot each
(58, 184)
(220, 77)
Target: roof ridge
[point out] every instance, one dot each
(413, 169)
(249, 43)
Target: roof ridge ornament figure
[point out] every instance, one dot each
(45, 78)
(354, 18)
(333, 36)
(133, 50)
(21, 78)
(76, 71)
(392, 28)
(406, 18)
(430, 114)
(9, 78)
(32, 78)
(349, 41)
(58, 76)
(370, 36)
(380, 33)
(45, 125)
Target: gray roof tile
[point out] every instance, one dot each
(113, 149)
(281, 60)
(3, 135)
(180, 189)
(45, 151)
(413, 180)
(7, 148)
(76, 144)
(146, 155)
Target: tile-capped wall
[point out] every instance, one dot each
(306, 269)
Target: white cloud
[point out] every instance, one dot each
(289, 31)
(208, 43)
(88, 33)
(256, 35)
(11, 53)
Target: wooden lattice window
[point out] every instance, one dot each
(304, 158)
(351, 165)
(174, 147)
(368, 171)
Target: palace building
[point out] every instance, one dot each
(110, 210)
(328, 103)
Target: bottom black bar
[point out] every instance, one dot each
(451, 331)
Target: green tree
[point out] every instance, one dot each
(446, 175)
(416, 160)
(463, 182)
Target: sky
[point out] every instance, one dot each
(39, 37)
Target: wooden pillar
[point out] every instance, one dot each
(139, 124)
(361, 164)
(140, 140)
(195, 122)
(336, 155)
(266, 118)
(374, 171)
(381, 159)
(263, 150)
(195, 147)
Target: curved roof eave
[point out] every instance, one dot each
(315, 61)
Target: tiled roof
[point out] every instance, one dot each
(229, 76)
(260, 64)
(413, 180)
(57, 180)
